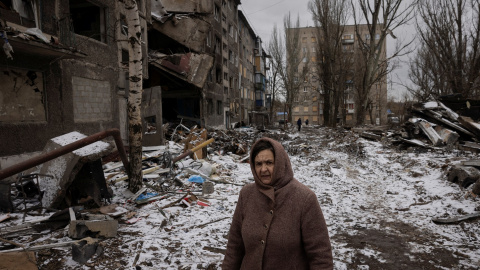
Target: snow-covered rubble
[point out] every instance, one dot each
(378, 203)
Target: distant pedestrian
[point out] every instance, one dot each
(306, 122)
(299, 123)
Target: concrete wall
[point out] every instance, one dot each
(91, 100)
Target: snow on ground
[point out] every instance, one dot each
(378, 203)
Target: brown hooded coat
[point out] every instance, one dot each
(278, 226)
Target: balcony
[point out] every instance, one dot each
(348, 41)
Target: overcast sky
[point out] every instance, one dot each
(263, 15)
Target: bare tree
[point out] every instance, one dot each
(291, 74)
(276, 51)
(135, 95)
(329, 17)
(380, 17)
(428, 83)
(448, 60)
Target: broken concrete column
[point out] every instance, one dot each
(95, 226)
(57, 174)
(84, 249)
(463, 175)
(447, 135)
(427, 128)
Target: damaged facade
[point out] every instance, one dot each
(202, 54)
(63, 72)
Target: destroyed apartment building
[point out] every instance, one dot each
(61, 71)
(65, 68)
(208, 62)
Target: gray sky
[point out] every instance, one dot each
(264, 14)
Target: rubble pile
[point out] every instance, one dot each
(200, 171)
(439, 127)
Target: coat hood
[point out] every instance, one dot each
(282, 172)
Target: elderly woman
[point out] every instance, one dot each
(278, 223)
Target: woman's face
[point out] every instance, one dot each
(264, 163)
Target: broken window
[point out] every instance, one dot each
(123, 25)
(125, 57)
(209, 42)
(219, 107)
(209, 106)
(218, 44)
(218, 75)
(22, 12)
(216, 13)
(88, 19)
(210, 76)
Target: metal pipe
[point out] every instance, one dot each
(193, 150)
(30, 163)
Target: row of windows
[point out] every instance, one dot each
(349, 106)
(312, 39)
(210, 108)
(344, 37)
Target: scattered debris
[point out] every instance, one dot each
(456, 219)
(187, 174)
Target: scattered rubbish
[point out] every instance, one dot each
(84, 249)
(456, 219)
(133, 220)
(196, 179)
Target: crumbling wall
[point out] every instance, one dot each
(22, 98)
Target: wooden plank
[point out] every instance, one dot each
(4, 217)
(451, 114)
(475, 163)
(370, 136)
(444, 121)
(472, 145)
(156, 169)
(40, 247)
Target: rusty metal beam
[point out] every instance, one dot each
(30, 163)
